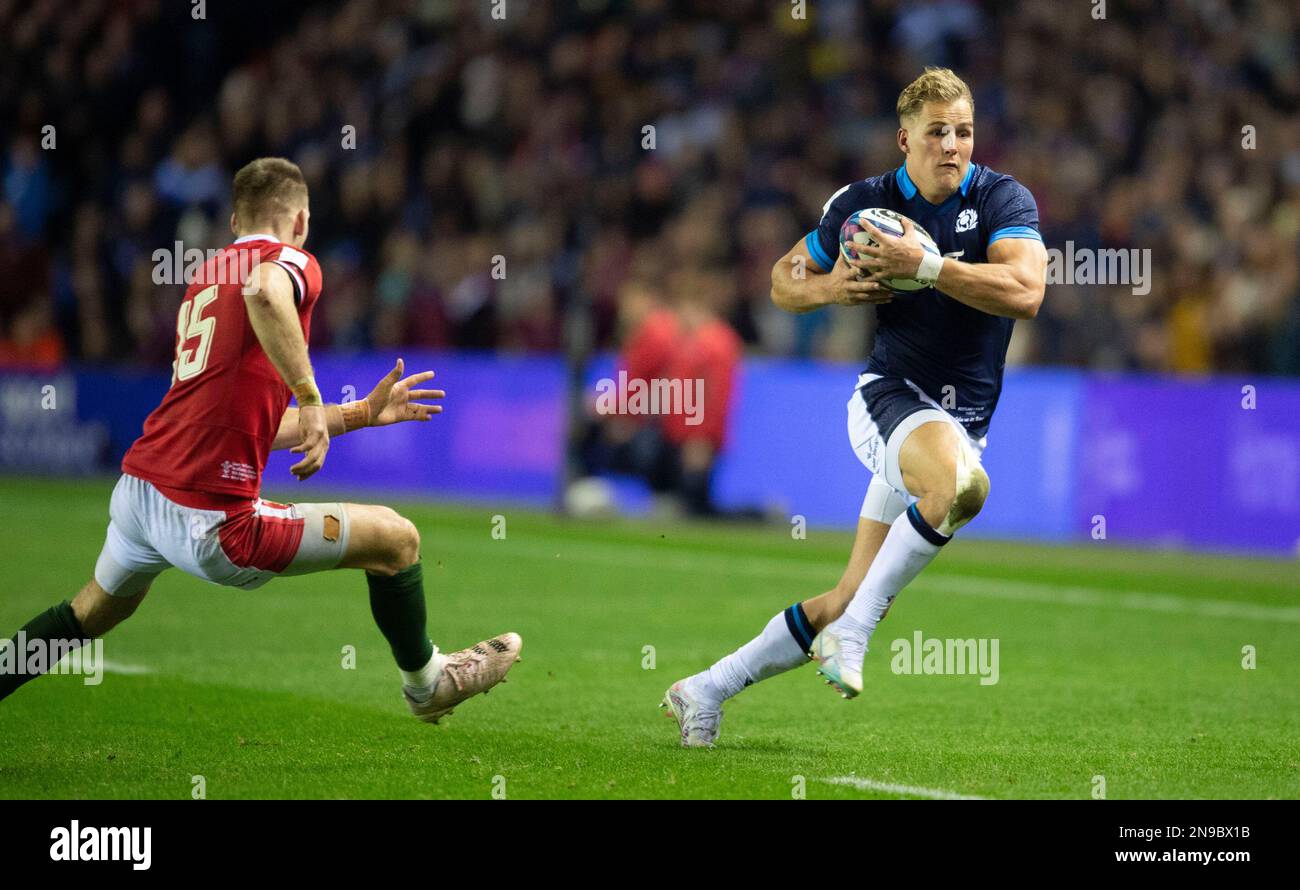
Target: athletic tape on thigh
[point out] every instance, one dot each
(882, 503)
(324, 538)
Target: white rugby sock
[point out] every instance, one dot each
(423, 683)
(782, 645)
(908, 548)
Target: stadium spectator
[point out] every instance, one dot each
(678, 346)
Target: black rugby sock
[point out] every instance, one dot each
(56, 628)
(397, 602)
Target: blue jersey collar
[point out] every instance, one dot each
(909, 190)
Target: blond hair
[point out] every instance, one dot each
(934, 85)
(268, 188)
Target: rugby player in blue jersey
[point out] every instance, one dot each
(918, 414)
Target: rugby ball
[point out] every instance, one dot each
(853, 232)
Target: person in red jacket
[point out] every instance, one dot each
(665, 417)
(706, 357)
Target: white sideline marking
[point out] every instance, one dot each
(890, 788)
(117, 667)
(1030, 591)
(619, 555)
(109, 667)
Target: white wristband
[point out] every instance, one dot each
(928, 272)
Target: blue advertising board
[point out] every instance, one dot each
(1196, 463)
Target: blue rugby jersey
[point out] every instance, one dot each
(926, 336)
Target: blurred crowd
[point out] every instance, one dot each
(436, 137)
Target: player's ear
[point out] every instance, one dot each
(902, 139)
(234, 227)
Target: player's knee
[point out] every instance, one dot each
(950, 504)
(408, 543)
(936, 500)
(969, 494)
(401, 544)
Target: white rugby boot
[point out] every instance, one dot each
(466, 673)
(839, 653)
(698, 718)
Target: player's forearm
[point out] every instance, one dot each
(339, 419)
(796, 288)
(286, 436)
(995, 288)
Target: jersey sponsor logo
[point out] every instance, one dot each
(970, 415)
(967, 220)
(239, 472)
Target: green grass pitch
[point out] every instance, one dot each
(1113, 663)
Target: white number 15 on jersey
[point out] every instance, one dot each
(190, 324)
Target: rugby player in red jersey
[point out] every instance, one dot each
(188, 494)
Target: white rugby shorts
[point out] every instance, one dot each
(883, 411)
(245, 547)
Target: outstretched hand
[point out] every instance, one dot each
(395, 398)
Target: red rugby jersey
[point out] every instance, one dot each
(212, 433)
